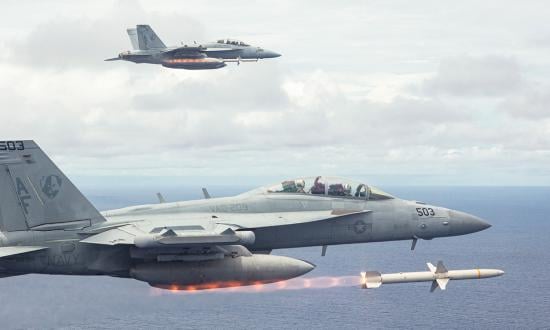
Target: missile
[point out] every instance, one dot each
(438, 275)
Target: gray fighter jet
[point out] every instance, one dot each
(49, 227)
(148, 48)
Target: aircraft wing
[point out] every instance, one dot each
(174, 243)
(8, 251)
(196, 51)
(262, 220)
(132, 234)
(199, 229)
(217, 49)
(196, 236)
(185, 52)
(202, 220)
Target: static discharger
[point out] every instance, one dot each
(438, 275)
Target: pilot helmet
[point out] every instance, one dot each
(347, 188)
(300, 183)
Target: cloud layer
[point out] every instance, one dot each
(377, 95)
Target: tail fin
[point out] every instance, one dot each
(132, 34)
(147, 38)
(35, 194)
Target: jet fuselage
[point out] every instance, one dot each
(368, 221)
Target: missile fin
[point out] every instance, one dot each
(440, 267)
(434, 286)
(431, 267)
(442, 283)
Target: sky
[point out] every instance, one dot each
(435, 93)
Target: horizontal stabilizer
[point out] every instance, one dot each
(113, 59)
(122, 235)
(8, 251)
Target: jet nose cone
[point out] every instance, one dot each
(463, 223)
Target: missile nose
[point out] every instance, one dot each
(270, 54)
(463, 223)
(485, 273)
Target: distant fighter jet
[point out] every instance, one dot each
(48, 227)
(148, 48)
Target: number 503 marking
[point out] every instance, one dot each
(425, 211)
(12, 145)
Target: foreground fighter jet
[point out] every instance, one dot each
(49, 227)
(148, 48)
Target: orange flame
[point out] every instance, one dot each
(322, 282)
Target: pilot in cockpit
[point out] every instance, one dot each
(300, 186)
(294, 186)
(347, 189)
(361, 191)
(318, 187)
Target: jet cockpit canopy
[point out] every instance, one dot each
(327, 186)
(232, 42)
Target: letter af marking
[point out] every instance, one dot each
(23, 194)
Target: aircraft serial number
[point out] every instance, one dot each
(12, 145)
(425, 211)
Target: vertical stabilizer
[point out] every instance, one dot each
(132, 34)
(35, 194)
(148, 39)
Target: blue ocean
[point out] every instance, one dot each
(328, 297)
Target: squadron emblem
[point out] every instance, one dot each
(50, 185)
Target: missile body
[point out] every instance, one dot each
(438, 275)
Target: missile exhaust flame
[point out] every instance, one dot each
(322, 282)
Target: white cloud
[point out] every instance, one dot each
(380, 94)
(533, 102)
(475, 76)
